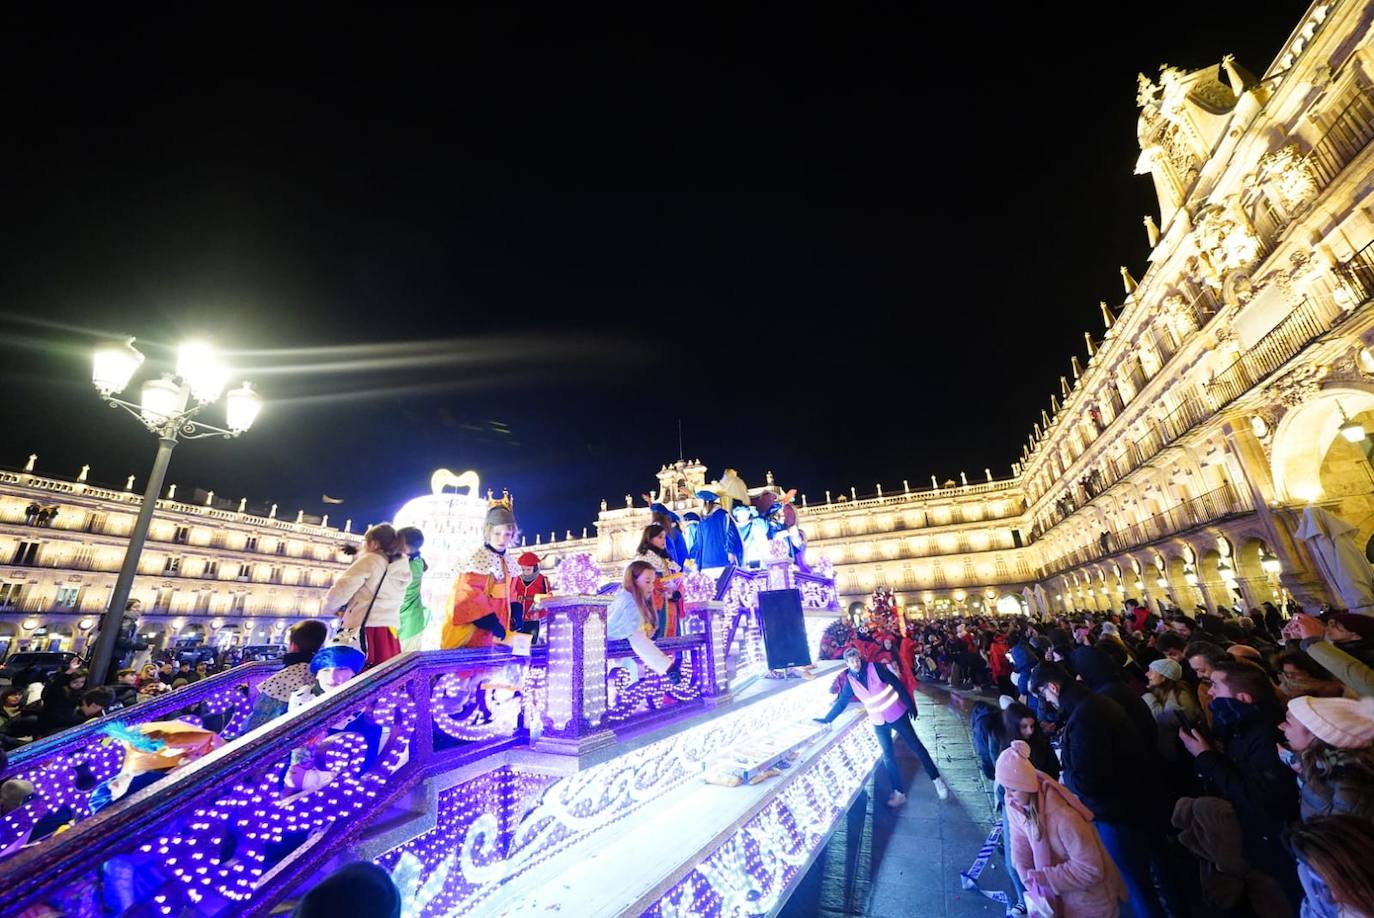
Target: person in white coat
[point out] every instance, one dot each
(368, 595)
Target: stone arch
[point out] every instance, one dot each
(1305, 435)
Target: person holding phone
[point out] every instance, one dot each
(1173, 704)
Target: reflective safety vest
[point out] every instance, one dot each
(880, 699)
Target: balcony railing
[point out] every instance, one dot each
(1350, 132)
(1280, 345)
(1217, 504)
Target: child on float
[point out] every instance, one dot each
(274, 695)
(413, 616)
(653, 550)
(632, 616)
(480, 610)
(526, 591)
(368, 595)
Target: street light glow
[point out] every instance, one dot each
(113, 365)
(241, 407)
(203, 370)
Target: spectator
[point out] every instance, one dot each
(1019, 722)
(166, 672)
(359, 890)
(1335, 759)
(14, 793)
(150, 690)
(1301, 675)
(1201, 657)
(1243, 766)
(1354, 634)
(1107, 764)
(1168, 699)
(126, 688)
(1355, 675)
(61, 698)
(17, 726)
(95, 702)
(1057, 855)
(1101, 674)
(1335, 856)
(201, 671)
(274, 695)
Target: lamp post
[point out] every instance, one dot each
(167, 407)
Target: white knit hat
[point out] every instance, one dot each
(1167, 668)
(1341, 722)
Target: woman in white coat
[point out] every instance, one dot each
(368, 595)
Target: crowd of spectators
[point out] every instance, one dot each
(1222, 762)
(37, 703)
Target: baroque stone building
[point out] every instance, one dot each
(1214, 403)
(210, 571)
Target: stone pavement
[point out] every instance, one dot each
(906, 863)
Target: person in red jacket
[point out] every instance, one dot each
(524, 590)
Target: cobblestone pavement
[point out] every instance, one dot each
(895, 864)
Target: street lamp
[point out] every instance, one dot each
(167, 407)
(1353, 431)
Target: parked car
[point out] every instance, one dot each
(263, 652)
(47, 662)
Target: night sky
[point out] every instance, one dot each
(851, 247)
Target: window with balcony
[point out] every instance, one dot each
(26, 553)
(276, 575)
(10, 594)
(211, 569)
(182, 535)
(67, 598)
(251, 544)
(245, 572)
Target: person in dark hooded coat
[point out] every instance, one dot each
(1100, 673)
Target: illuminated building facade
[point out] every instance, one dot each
(1228, 389)
(210, 570)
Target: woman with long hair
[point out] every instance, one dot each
(653, 550)
(368, 595)
(1336, 865)
(1055, 849)
(1334, 742)
(1168, 698)
(632, 616)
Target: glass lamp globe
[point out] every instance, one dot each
(113, 365)
(241, 407)
(201, 368)
(161, 399)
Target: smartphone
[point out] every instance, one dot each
(1183, 721)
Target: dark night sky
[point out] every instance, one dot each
(852, 246)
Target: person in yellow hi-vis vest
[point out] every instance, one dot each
(479, 609)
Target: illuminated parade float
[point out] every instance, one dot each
(486, 782)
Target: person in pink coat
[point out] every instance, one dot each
(1054, 846)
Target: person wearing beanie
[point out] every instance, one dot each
(890, 709)
(1172, 702)
(480, 612)
(358, 890)
(1056, 852)
(1333, 740)
(1107, 764)
(526, 590)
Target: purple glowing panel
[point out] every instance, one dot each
(751, 872)
(479, 704)
(627, 696)
(65, 769)
(440, 872)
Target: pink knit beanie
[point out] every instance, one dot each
(1014, 769)
(1341, 722)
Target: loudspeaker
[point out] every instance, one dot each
(784, 629)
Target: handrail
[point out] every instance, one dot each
(36, 753)
(398, 688)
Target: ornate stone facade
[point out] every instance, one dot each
(211, 570)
